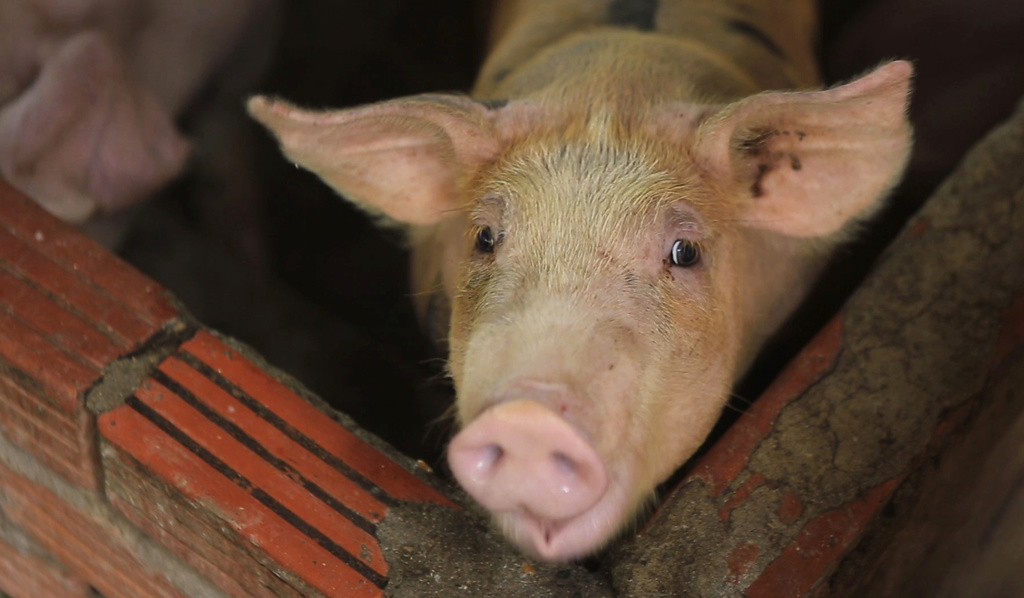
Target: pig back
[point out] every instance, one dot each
(763, 44)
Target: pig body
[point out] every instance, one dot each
(90, 89)
(611, 228)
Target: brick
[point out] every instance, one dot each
(69, 453)
(258, 526)
(68, 288)
(30, 358)
(64, 245)
(59, 426)
(68, 309)
(294, 456)
(25, 575)
(240, 476)
(63, 328)
(294, 413)
(198, 536)
(88, 548)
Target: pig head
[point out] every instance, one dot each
(89, 90)
(614, 251)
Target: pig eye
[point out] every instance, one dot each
(485, 240)
(685, 254)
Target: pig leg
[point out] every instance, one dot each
(84, 137)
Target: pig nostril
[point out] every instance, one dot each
(492, 454)
(487, 458)
(563, 462)
(567, 471)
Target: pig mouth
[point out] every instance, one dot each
(566, 539)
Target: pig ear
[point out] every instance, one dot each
(85, 136)
(810, 162)
(408, 158)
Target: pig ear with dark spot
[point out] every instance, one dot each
(408, 158)
(811, 162)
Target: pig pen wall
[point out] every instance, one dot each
(142, 454)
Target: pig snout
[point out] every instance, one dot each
(521, 459)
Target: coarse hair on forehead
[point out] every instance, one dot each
(610, 177)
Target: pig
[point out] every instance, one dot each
(632, 200)
(90, 90)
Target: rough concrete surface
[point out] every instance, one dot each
(123, 376)
(919, 339)
(436, 551)
(964, 534)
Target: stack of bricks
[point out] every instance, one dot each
(141, 455)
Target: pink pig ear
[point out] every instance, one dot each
(85, 136)
(408, 158)
(810, 162)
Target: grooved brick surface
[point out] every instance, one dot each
(87, 547)
(282, 485)
(68, 308)
(32, 576)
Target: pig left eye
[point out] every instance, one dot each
(685, 254)
(485, 240)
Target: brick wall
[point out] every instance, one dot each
(141, 455)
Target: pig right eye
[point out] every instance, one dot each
(485, 240)
(685, 254)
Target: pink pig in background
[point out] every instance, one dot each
(618, 218)
(90, 89)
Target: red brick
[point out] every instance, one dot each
(306, 463)
(88, 548)
(264, 476)
(742, 558)
(311, 422)
(68, 308)
(59, 423)
(201, 484)
(62, 328)
(222, 461)
(78, 253)
(75, 293)
(790, 508)
(72, 460)
(61, 376)
(226, 560)
(32, 576)
(740, 496)
(222, 574)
